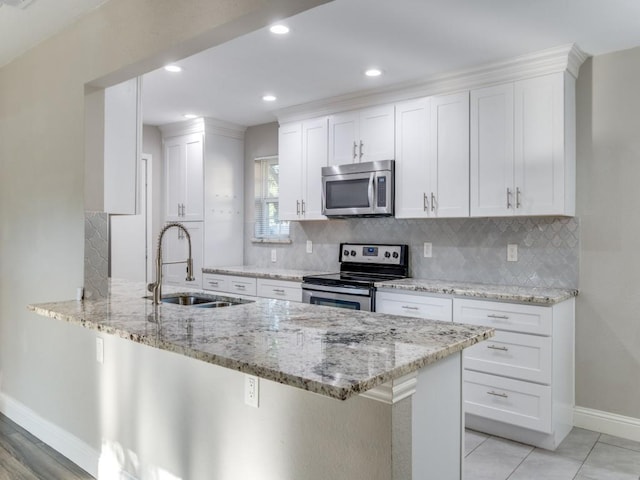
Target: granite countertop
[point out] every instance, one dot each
(330, 351)
(507, 293)
(262, 272)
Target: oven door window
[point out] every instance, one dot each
(331, 302)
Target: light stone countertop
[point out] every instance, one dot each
(262, 272)
(505, 293)
(330, 351)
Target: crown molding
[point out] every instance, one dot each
(203, 125)
(564, 58)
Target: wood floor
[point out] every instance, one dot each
(24, 457)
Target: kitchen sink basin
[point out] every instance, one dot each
(201, 300)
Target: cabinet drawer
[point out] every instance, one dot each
(504, 316)
(423, 306)
(229, 284)
(511, 401)
(516, 355)
(214, 282)
(279, 289)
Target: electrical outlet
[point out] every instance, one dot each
(512, 252)
(99, 350)
(252, 391)
(309, 246)
(427, 250)
(274, 256)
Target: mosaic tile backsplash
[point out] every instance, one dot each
(96, 254)
(466, 250)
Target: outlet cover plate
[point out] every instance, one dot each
(252, 391)
(512, 252)
(428, 250)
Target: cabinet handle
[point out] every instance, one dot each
(279, 291)
(355, 145)
(500, 317)
(425, 202)
(240, 286)
(494, 347)
(297, 207)
(518, 205)
(303, 208)
(212, 283)
(433, 202)
(361, 149)
(495, 394)
(508, 198)
(407, 307)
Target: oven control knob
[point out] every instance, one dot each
(387, 254)
(353, 253)
(346, 253)
(395, 255)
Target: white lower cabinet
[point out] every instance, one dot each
(279, 289)
(414, 305)
(520, 383)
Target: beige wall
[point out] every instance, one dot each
(46, 366)
(608, 206)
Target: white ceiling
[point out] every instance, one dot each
(330, 46)
(22, 29)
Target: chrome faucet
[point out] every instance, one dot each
(156, 287)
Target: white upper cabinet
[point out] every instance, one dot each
(122, 146)
(432, 157)
(362, 136)
(302, 149)
(522, 148)
(184, 173)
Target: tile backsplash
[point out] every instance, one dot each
(470, 249)
(96, 254)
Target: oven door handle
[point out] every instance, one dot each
(364, 292)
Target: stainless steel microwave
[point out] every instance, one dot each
(358, 189)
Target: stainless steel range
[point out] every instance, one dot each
(361, 266)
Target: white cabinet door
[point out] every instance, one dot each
(290, 164)
(122, 146)
(314, 157)
(539, 145)
(175, 248)
(343, 138)
(449, 156)
(412, 163)
(377, 138)
(491, 185)
(184, 178)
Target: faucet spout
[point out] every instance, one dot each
(156, 287)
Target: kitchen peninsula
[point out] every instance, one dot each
(374, 396)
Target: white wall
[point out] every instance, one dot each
(608, 206)
(46, 366)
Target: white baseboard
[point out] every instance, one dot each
(609, 423)
(60, 440)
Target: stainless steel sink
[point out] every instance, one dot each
(201, 300)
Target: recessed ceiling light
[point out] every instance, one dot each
(279, 29)
(173, 68)
(190, 115)
(373, 72)
(269, 98)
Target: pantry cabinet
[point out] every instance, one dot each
(432, 157)
(302, 149)
(362, 136)
(183, 176)
(523, 148)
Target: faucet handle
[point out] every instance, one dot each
(151, 286)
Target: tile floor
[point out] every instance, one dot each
(584, 455)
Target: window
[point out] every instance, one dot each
(267, 225)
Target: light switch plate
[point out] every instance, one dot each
(309, 246)
(512, 252)
(428, 251)
(99, 350)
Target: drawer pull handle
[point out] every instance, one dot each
(407, 307)
(499, 317)
(495, 394)
(241, 287)
(278, 291)
(211, 282)
(494, 347)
